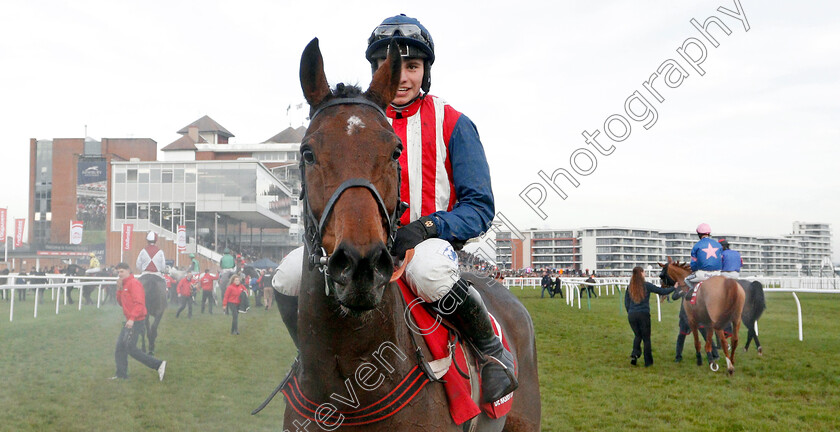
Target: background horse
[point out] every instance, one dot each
(719, 302)
(76, 270)
(351, 315)
(754, 305)
(155, 288)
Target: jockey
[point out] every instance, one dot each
(93, 266)
(227, 262)
(194, 268)
(705, 257)
(151, 259)
(731, 261)
(446, 181)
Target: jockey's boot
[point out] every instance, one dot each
(288, 307)
(470, 316)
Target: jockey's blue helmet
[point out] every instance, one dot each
(413, 39)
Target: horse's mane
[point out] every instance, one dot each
(343, 90)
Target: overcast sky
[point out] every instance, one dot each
(749, 146)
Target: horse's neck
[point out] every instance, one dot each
(338, 350)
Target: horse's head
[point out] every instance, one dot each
(350, 174)
(673, 273)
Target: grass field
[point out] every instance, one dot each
(54, 369)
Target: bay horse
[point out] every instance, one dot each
(754, 306)
(355, 345)
(719, 302)
(155, 289)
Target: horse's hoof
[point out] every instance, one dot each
(714, 367)
(731, 371)
(745, 349)
(760, 352)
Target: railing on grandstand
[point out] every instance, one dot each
(57, 283)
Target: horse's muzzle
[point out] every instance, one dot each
(360, 279)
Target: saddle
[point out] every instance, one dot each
(461, 382)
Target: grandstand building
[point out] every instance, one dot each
(83, 191)
(616, 250)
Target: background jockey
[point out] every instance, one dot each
(446, 181)
(93, 266)
(227, 262)
(705, 257)
(731, 261)
(151, 259)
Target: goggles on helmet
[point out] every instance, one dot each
(406, 30)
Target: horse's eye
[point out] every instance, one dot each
(397, 153)
(308, 157)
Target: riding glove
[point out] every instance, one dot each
(413, 234)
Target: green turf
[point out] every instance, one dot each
(54, 369)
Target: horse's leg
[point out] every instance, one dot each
(709, 357)
(736, 326)
(726, 352)
(696, 343)
(145, 335)
(750, 330)
(152, 333)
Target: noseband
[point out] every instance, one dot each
(314, 228)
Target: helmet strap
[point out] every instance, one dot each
(398, 108)
(427, 76)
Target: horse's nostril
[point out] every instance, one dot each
(384, 263)
(341, 264)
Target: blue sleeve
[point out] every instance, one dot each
(694, 262)
(475, 208)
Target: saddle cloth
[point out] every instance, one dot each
(462, 407)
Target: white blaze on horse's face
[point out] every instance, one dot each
(354, 124)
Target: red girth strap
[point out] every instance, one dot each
(389, 405)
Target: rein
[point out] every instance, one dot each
(314, 228)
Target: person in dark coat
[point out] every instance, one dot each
(545, 283)
(558, 287)
(637, 303)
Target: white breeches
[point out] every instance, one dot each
(730, 274)
(430, 274)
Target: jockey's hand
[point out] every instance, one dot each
(413, 234)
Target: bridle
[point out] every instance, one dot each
(314, 228)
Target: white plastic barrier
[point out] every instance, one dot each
(55, 288)
(798, 304)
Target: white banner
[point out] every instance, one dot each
(182, 238)
(76, 232)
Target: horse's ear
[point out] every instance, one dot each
(661, 265)
(313, 81)
(386, 80)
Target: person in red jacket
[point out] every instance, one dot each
(170, 283)
(132, 298)
(205, 281)
(185, 294)
(231, 301)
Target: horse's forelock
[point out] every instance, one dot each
(343, 90)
